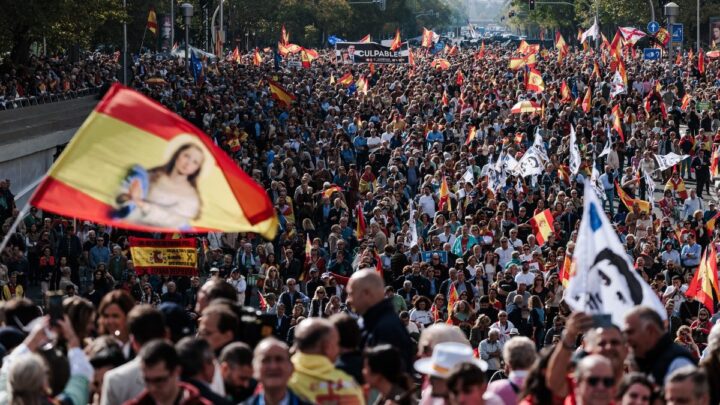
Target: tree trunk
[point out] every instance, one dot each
(20, 53)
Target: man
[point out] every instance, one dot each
(596, 383)
(687, 386)
(159, 363)
(272, 369)
(282, 322)
(652, 347)
(350, 359)
(121, 384)
(99, 254)
(172, 295)
(238, 282)
(605, 341)
(467, 385)
(519, 355)
(691, 204)
(365, 295)
(218, 326)
(315, 376)
(237, 371)
(198, 368)
(491, 351)
(292, 295)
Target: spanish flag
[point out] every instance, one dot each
(280, 94)
(644, 206)
(257, 58)
(453, 298)
(587, 101)
(346, 79)
(396, 43)
(685, 102)
(565, 96)
(542, 225)
(701, 62)
(567, 271)
(360, 227)
(715, 162)
(152, 21)
(617, 121)
(445, 204)
(710, 224)
(427, 38)
(705, 281)
(677, 187)
(622, 70)
(596, 70)
(535, 81)
(517, 63)
(133, 164)
(362, 85)
(236, 55)
(332, 190)
(471, 135)
(365, 40)
(284, 36)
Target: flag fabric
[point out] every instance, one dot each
(565, 96)
(131, 144)
(279, 93)
(236, 55)
(427, 38)
(453, 298)
(662, 36)
(288, 49)
(629, 202)
(346, 79)
(472, 132)
(616, 46)
(705, 280)
(332, 190)
(567, 271)
(196, 66)
(535, 81)
(444, 201)
(284, 36)
(412, 238)
(564, 174)
(575, 159)
(595, 71)
(671, 159)
(360, 226)
(362, 85)
(378, 264)
(152, 21)
(257, 58)
(631, 35)
(701, 62)
(459, 78)
(308, 248)
(262, 302)
(365, 40)
(617, 121)
(677, 186)
(518, 63)
(560, 43)
(710, 224)
(542, 225)
(587, 101)
(171, 257)
(618, 85)
(481, 53)
(605, 280)
(445, 100)
(622, 70)
(593, 31)
(715, 162)
(397, 42)
(435, 313)
(685, 103)
(440, 64)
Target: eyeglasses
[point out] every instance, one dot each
(606, 381)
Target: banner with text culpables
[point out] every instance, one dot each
(171, 257)
(369, 52)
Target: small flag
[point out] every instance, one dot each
(444, 203)
(346, 79)
(152, 21)
(542, 224)
(280, 94)
(427, 38)
(471, 135)
(715, 162)
(236, 55)
(284, 36)
(396, 43)
(587, 101)
(644, 206)
(360, 228)
(685, 102)
(567, 271)
(332, 190)
(535, 81)
(459, 78)
(453, 298)
(705, 281)
(365, 40)
(263, 302)
(257, 58)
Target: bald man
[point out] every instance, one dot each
(317, 344)
(272, 367)
(595, 381)
(381, 325)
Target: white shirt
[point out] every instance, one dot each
(527, 278)
(504, 255)
(427, 204)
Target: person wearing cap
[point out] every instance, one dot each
(239, 284)
(437, 368)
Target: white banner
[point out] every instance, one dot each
(669, 160)
(574, 152)
(530, 164)
(605, 281)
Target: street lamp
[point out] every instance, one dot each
(187, 13)
(672, 10)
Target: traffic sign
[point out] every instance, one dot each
(677, 32)
(651, 54)
(653, 27)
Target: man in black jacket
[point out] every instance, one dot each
(366, 295)
(198, 367)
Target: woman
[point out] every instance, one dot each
(701, 328)
(334, 306)
(316, 261)
(438, 309)
(537, 319)
(273, 283)
(684, 339)
(420, 314)
(635, 389)
(112, 312)
(539, 288)
(165, 196)
(384, 371)
(318, 303)
(479, 331)
(270, 261)
(81, 314)
(46, 271)
(462, 316)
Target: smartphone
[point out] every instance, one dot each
(55, 307)
(602, 320)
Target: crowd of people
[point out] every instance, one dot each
(429, 298)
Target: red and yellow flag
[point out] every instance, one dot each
(663, 36)
(151, 171)
(517, 63)
(332, 190)
(257, 58)
(459, 78)
(705, 281)
(427, 38)
(710, 224)
(596, 70)
(472, 132)
(617, 121)
(284, 36)
(715, 162)
(587, 101)
(279, 93)
(365, 40)
(542, 225)
(397, 42)
(236, 55)
(644, 206)
(346, 79)
(622, 70)
(481, 53)
(685, 102)
(535, 81)
(453, 298)
(152, 21)
(701, 61)
(444, 201)
(567, 271)
(440, 64)
(362, 85)
(565, 95)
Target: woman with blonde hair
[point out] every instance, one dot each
(318, 303)
(273, 283)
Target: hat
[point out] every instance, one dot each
(514, 331)
(445, 356)
(214, 270)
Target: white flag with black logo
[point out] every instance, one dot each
(606, 150)
(605, 281)
(412, 238)
(574, 152)
(669, 160)
(530, 164)
(539, 146)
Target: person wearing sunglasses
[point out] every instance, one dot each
(595, 381)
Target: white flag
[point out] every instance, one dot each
(539, 146)
(530, 164)
(606, 149)
(650, 184)
(412, 238)
(669, 160)
(593, 31)
(617, 86)
(605, 281)
(574, 152)
(469, 177)
(595, 183)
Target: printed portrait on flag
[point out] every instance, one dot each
(166, 195)
(715, 30)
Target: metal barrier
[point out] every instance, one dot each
(23, 102)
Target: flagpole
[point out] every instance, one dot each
(142, 41)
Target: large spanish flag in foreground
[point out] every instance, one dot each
(542, 225)
(134, 164)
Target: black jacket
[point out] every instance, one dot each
(658, 359)
(281, 327)
(208, 393)
(382, 325)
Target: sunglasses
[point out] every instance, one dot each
(606, 381)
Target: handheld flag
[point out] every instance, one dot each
(667, 161)
(346, 79)
(685, 102)
(257, 58)
(628, 202)
(567, 271)
(362, 85)
(360, 227)
(605, 281)
(453, 298)
(575, 158)
(427, 38)
(631, 35)
(236, 55)
(701, 62)
(365, 40)
(284, 36)
(715, 162)
(542, 225)
(565, 96)
(535, 81)
(152, 21)
(396, 43)
(280, 94)
(132, 187)
(587, 101)
(705, 281)
(444, 204)
(471, 135)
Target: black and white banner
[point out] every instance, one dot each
(368, 52)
